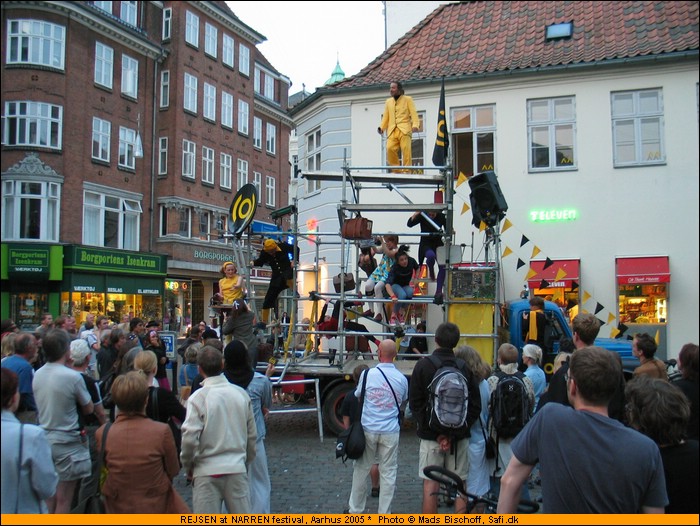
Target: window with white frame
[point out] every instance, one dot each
(226, 110)
(127, 12)
(33, 124)
(101, 133)
(474, 139)
(209, 110)
(192, 29)
(220, 225)
(207, 165)
(243, 117)
(105, 6)
(167, 23)
(30, 209)
(36, 42)
(184, 223)
(162, 156)
(189, 157)
(551, 131)
(164, 89)
(270, 194)
(257, 182)
(190, 102)
(228, 50)
(211, 35)
(127, 145)
(256, 81)
(269, 87)
(243, 59)
(242, 167)
(104, 65)
(271, 138)
(204, 225)
(257, 133)
(225, 171)
(130, 76)
(313, 158)
(638, 128)
(111, 217)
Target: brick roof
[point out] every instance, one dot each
(480, 37)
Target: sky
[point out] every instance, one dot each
(305, 40)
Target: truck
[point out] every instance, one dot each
(335, 380)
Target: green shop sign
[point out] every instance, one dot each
(33, 262)
(115, 261)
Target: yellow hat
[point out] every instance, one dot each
(271, 246)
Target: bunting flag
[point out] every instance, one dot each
(482, 226)
(530, 274)
(465, 208)
(657, 337)
(547, 263)
(601, 322)
(507, 252)
(598, 308)
(442, 141)
(574, 285)
(586, 296)
(520, 264)
(561, 274)
(506, 225)
(614, 332)
(544, 284)
(524, 240)
(535, 251)
(611, 318)
(461, 179)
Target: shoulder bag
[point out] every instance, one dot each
(351, 441)
(94, 504)
(398, 405)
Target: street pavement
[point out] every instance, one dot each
(307, 478)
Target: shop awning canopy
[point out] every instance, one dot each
(642, 270)
(558, 273)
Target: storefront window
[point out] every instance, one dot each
(643, 303)
(178, 301)
(114, 306)
(27, 308)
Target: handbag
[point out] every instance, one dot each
(94, 504)
(349, 282)
(356, 228)
(185, 390)
(490, 442)
(351, 441)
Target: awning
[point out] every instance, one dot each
(642, 270)
(559, 273)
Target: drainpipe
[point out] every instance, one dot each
(154, 148)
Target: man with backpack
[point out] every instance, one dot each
(512, 401)
(444, 399)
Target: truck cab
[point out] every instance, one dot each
(558, 327)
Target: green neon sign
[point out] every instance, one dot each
(553, 215)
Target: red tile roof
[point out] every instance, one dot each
(481, 37)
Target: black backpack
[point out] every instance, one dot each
(510, 408)
(448, 398)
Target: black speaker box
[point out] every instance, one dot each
(487, 201)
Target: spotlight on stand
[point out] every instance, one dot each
(487, 201)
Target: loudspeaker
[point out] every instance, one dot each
(488, 203)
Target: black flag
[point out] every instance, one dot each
(442, 141)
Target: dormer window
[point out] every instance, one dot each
(559, 31)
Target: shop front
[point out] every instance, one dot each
(556, 280)
(643, 294)
(31, 277)
(116, 284)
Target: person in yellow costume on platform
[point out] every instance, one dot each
(399, 120)
(231, 285)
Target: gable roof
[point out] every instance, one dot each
(487, 37)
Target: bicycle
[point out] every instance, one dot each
(452, 486)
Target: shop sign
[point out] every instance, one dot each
(176, 286)
(87, 283)
(126, 285)
(96, 259)
(34, 261)
(553, 215)
(212, 256)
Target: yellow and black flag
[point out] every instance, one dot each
(442, 141)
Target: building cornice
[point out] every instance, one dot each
(232, 22)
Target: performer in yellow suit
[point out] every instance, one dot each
(231, 285)
(399, 120)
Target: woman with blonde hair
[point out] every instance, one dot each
(231, 285)
(163, 405)
(140, 455)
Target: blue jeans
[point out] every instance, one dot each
(403, 293)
